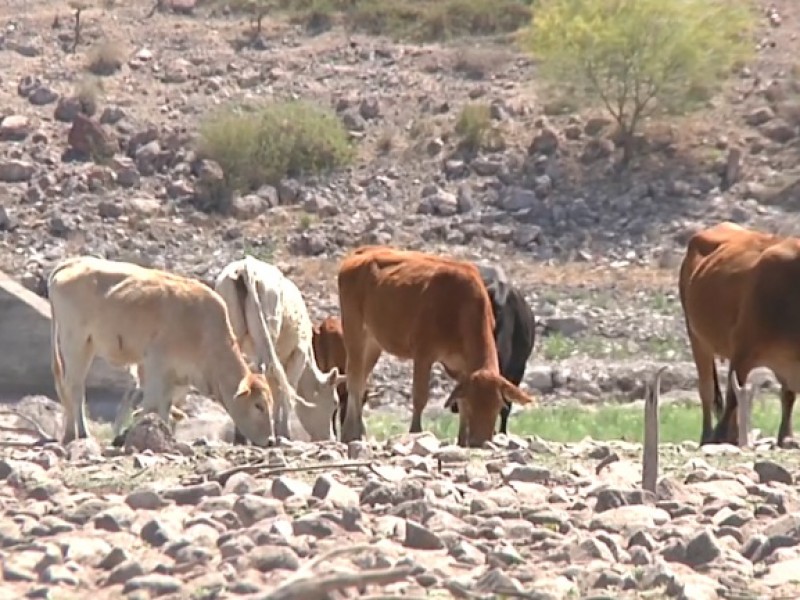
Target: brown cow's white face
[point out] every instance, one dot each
(316, 412)
(480, 398)
(251, 409)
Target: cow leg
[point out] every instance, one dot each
(727, 431)
(76, 363)
(356, 387)
(419, 392)
(787, 405)
(353, 408)
(504, 414)
(158, 389)
(338, 413)
(707, 384)
(514, 372)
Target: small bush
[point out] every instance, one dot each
(89, 91)
(473, 125)
(105, 58)
(277, 140)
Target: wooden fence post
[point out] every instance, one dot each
(650, 445)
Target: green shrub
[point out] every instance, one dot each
(637, 57)
(277, 140)
(473, 125)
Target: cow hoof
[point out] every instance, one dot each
(789, 443)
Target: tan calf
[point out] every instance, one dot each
(176, 328)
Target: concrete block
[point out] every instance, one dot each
(25, 349)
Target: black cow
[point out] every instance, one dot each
(514, 330)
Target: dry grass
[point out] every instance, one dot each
(387, 140)
(479, 63)
(89, 91)
(414, 20)
(473, 125)
(105, 58)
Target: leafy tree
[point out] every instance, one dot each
(640, 57)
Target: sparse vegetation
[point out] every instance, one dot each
(89, 91)
(639, 58)
(276, 140)
(305, 222)
(679, 421)
(105, 58)
(414, 20)
(256, 10)
(473, 125)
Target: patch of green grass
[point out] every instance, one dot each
(274, 141)
(680, 422)
(665, 303)
(557, 346)
(412, 20)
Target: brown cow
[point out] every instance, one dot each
(328, 344)
(428, 309)
(740, 293)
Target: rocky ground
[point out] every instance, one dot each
(411, 517)
(595, 251)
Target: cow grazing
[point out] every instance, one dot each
(327, 341)
(429, 309)
(177, 329)
(329, 352)
(740, 293)
(514, 330)
(267, 309)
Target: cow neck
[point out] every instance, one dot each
(225, 373)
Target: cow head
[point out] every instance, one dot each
(480, 398)
(251, 409)
(321, 399)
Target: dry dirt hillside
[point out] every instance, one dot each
(595, 252)
(98, 154)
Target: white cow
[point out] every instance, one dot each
(270, 317)
(176, 328)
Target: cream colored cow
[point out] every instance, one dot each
(270, 319)
(177, 329)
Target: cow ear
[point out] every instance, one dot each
(243, 389)
(333, 376)
(452, 399)
(512, 393)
